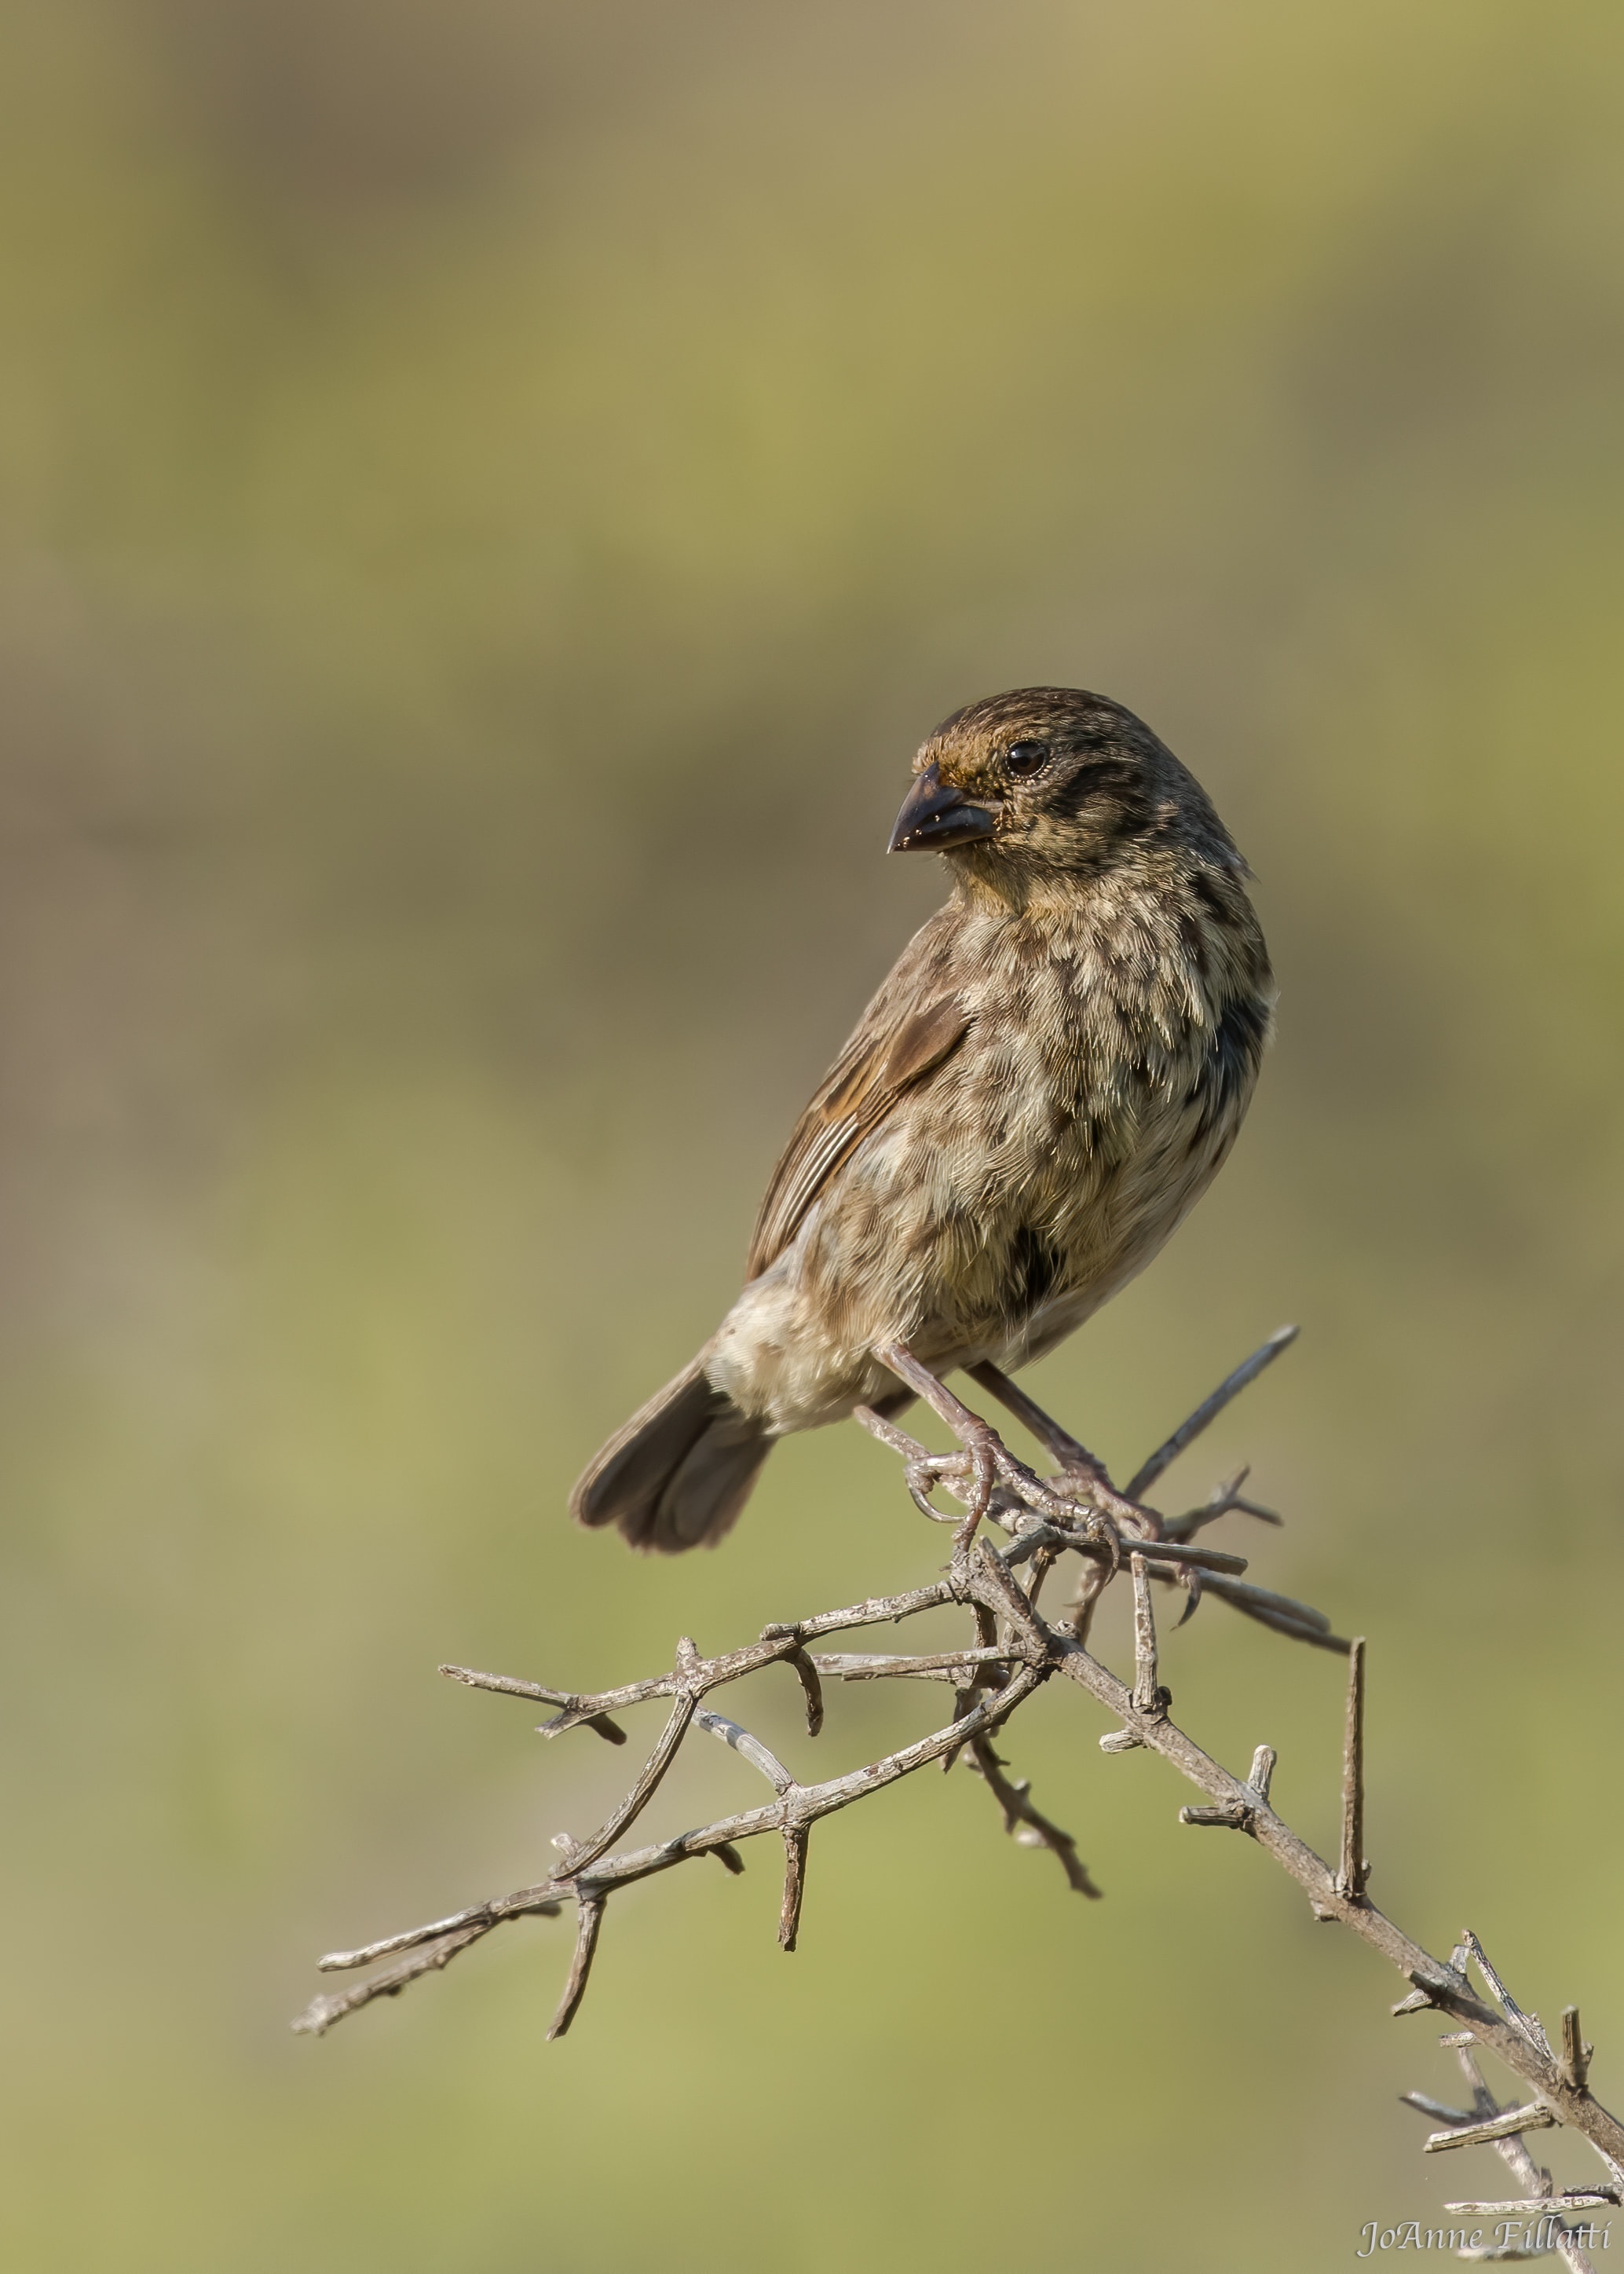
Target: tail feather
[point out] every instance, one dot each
(677, 1473)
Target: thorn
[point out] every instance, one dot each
(1354, 1870)
(1575, 2063)
(1146, 1690)
(796, 1838)
(1233, 1815)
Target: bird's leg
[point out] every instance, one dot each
(986, 1462)
(984, 1453)
(1061, 1446)
(1075, 1459)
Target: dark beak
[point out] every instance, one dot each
(936, 815)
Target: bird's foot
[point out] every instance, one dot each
(1080, 1475)
(985, 1465)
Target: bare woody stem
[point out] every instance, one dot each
(1436, 1984)
(1015, 1651)
(1486, 2123)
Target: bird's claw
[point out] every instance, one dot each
(922, 1476)
(1094, 1494)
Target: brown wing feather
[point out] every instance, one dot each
(862, 1087)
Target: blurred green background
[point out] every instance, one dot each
(493, 495)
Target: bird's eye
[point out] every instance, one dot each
(1025, 759)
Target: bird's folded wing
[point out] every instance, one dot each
(876, 1067)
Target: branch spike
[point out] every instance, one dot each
(1026, 1824)
(1573, 2199)
(1147, 1691)
(1526, 2025)
(750, 1748)
(589, 1918)
(807, 1674)
(319, 2015)
(1437, 2110)
(1210, 1408)
(1575, 2052)
(1354, 1872)
(797, 1839)
(1534, 2116)
(509, 1686)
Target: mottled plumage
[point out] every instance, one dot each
(1044, 1085)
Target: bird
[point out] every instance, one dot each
(1045, 1084)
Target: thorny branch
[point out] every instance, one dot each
(1532, 2224)
(1013, 1651)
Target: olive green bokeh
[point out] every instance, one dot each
(493, 493)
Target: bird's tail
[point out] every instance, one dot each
(677, 1473)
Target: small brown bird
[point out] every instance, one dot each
(1044, 1085)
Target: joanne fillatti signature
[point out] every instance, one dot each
(1526, 2237)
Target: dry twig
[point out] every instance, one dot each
(1013, 1652)
(1531, 2225)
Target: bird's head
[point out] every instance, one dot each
(1049, 781)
